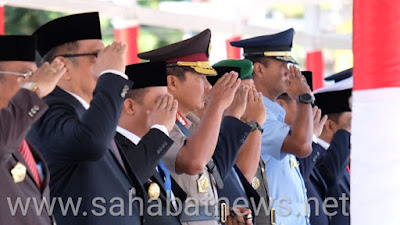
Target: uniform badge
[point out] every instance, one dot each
(202, 184)
(18, 172)
(255, 183)
(153, 191)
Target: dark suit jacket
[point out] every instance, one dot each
(24, 109)
(76, 144)
(231, 137)
(322, 170)
(142, 160)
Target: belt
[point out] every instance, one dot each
(204, 213)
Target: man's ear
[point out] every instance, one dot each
(68, 64)
(129, 106)
(172, 82)
(281, 102)
(258, 70)
(330, 126)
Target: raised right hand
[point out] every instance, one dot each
(47, 76)
(297, 83)
(111, 57)
(164, 112)
(318, 121)
(238, 106)
(255, 110)
(224, 90)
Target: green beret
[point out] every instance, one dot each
(244, 67)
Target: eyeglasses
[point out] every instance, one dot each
(78, 55)
(26, 74)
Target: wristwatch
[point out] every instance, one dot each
(305, 99)
(32, 86)
(255, 126)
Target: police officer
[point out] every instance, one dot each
(189, 159)
(281, 143)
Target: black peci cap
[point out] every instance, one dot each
(67, 29)
(150, 74)
(17, 48)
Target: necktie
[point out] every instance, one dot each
(167, 177)
(30, 161)
(117, 154)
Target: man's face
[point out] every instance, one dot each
(9, 84)
(275, 74)
(149, 100)
(193, 92)
(81, 68)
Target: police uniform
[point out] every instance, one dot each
(201, 189)
(285, 181)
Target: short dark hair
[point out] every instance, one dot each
(179, 71)
(259, 59)
(69, 47)
(334, 117)
(285, 97)
(137, 95)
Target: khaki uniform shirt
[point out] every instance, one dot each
(189, 182)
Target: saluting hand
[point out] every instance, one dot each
(164, 112)
(238, 106)
(111, 57)
(318, 122)
(255, 110)
(224, 90)
(47, 76)
(297, 83)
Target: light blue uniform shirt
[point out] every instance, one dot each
(286, 185)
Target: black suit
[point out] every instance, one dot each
(142, 160)
(24, 109)
(322, 171)
(84, 167)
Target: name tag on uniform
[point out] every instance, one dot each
(18, 172)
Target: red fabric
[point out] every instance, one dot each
(315, 64)
(30, 161)
(376, 45)
(2, 21)
(129, 35)
(232, 52)
(202, 56)
(348, 169)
